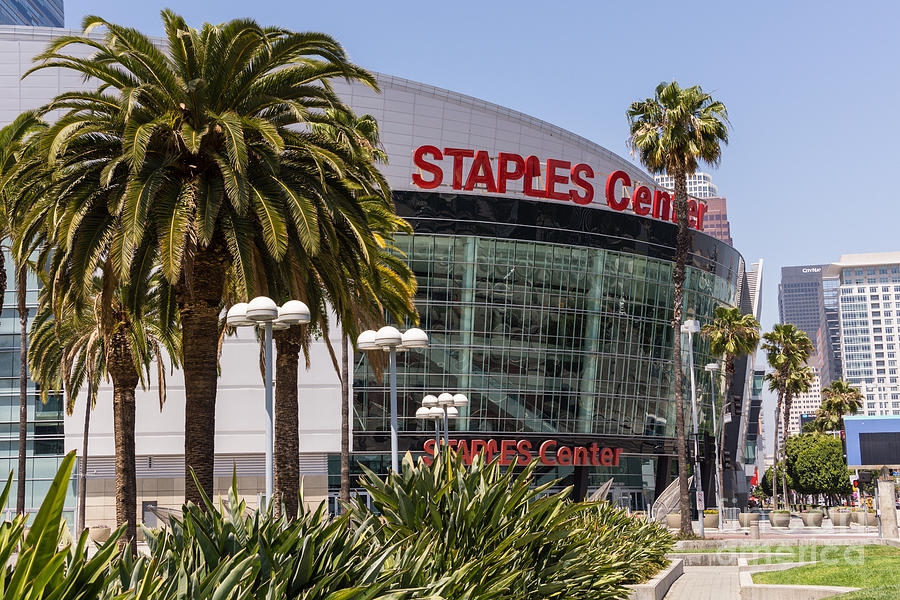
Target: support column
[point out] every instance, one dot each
(580, 477)
(887, 499)
(591, 360)
(466, 326)
(663, 469)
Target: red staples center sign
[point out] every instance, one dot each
(562, 181)
(549, 452)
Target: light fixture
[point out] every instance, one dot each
(460, 400)
(414, 338)
(366, 340)
(237, 316)
(294, 312)
(429, 401)
(262, 309)
(445, 399)
(388, 337)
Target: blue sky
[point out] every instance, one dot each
(812, 90)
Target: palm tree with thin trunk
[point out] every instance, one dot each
(787, 348)
(798, 382)
(838, 399)
(13, 145)
(118, 335)
(731, 334)
(672, 132)
(204, 152)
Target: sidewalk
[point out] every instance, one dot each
(706, 583)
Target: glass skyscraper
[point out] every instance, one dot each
(39, 13)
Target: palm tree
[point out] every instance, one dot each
(798, 382)
(787, 349)
(13, 140)
(838, 399)
(731, 334)
(117, 334)
(203, 152)
(671, 132)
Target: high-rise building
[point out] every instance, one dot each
(806, 403)
(807, 298)
(40, 13)
(715, 223)
(699, 185)
(869, 316)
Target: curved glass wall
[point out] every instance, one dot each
(543, 338)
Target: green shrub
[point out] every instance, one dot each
(482, 531)
(640, 546)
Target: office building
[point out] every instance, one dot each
(869, 301)
(716, 221)
(807, 298)
(38, 13)
(699, 185)
(804, 406)
(548, 303)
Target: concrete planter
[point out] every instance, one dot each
(673, 520)
(711, 521)
(812, 518)
(746, 518)
(99, 534)
(780, 520)
(840, 519)
(859, 517)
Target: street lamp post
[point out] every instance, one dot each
(690, 327)
(712, 368)
(391, 340)
(263, 311)
(441, 408)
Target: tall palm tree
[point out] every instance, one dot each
(116, 334)
(838, 399)
(798, 382)
(787, 349)
(671, 132)
(13, 144)
(731, 334)
(204, 152)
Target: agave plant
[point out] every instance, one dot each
(230, 552)
(486, 532)
(48, 565)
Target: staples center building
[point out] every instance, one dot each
(544, 264)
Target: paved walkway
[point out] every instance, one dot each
(706, 583)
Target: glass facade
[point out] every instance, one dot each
(41, 13)
(45, 437)
(547, 339)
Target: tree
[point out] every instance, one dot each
(671, 132)
(787, 348)
(204, 153)
(838, 399)
(119, 334)
(13, 145)
(815, 465)
(766, 483)
(731, 334)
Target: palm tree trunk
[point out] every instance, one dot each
(788, 400)
(287, 435)
(345, 420)
(125, 379)
(199, 301)
(682, 247)
(82, 473)
(775, 451)
(726, 396)
(21, 282)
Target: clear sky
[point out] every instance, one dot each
(812, 90)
